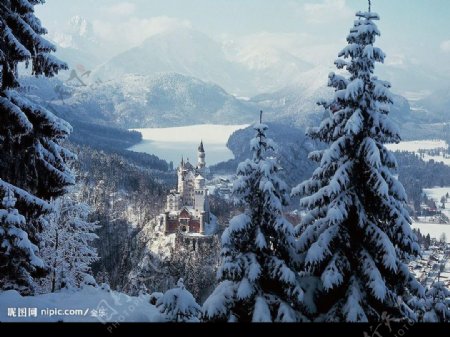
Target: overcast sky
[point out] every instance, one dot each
(413, 31)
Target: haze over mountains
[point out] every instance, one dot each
(180, 76)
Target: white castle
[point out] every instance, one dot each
(187, 209)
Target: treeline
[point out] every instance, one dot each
(123, 196)
(292, 149)
(416, 174)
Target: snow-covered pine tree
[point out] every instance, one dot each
(437, 304)
(178, 305)
(15, 245)
(32, 159)
(257, 277)
(66, 245)
(356, 238)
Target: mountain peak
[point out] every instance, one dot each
(79, 26)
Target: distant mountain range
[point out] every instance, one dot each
(136, 101)
(183, 77)
(244, 68)
(178, 50)
(171, 99)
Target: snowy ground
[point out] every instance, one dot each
(86, 305)
(435, 230)
(416, 145)
(436, 194)
(172, 143)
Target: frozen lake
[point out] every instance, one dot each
(172, 143)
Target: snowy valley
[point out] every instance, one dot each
(162, 172)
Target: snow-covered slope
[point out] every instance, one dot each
(296, 104)
(86, 305)
(270, 66)
(432, 149)
(436, 106)
(136, 101)
(292, 150)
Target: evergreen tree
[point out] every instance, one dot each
(356, 238)
(67, 245)
(427, 241)
(178, 305)
(32, 158)
(437, 304)
(257, 277)
(102, 276)
(15, 245)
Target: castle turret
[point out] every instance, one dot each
(166, 222)
(201, 157)
(203, 221)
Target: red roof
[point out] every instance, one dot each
(185, 214)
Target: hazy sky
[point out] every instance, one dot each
(414, 32)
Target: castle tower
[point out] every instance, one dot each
(202, 222)
(201, 157)
(181, 173)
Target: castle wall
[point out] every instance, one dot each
(199, 202)
(191, 192)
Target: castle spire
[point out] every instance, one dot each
(201, 156)
(201, 148)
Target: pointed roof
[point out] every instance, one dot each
(184, 213)
(201, 148)
(188, 166)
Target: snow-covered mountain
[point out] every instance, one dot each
(292, 149)
(436, 106)
(180, 50)
(77, 45)
(243, 70)
(166, 99)
(248, 66)
(270, 66)
(296, 104)
(171, 99)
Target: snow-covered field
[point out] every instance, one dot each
(86, 305)
(416, 145)
(436, 230)
(172, 143)
(436, 195)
